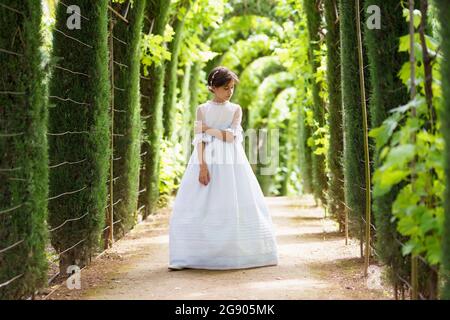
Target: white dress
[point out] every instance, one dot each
(225, 224)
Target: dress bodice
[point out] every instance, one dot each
(223, 116)
(218, 115)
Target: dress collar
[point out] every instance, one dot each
(219, 103)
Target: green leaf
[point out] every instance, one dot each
(417, 16)
(407, 248)
(400, 155)
(384, 152)
(427, 222)
(415, 103)
(384, 181)
(434, 250)
(146, 60)
(384, 132)
(407, 226)
(404, 200)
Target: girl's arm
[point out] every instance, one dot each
(223, 135)
(204, 173)
(230, 134)
(200, 153)
(203, 177)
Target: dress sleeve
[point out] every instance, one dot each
(235, 126)
(198, 135)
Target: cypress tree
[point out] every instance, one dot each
(184, 135)
(171, 77)
(292, 174)
(305, 152)
(335, 154)
(279, 119)
(23, 156)
(354, 175)
(152, 108)
(79, 124)
(127, 117)
(267, 92)
(313, 17)
(444, 16)
(387, 92)
(195, 78)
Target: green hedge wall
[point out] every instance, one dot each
(86, 114)
(23, 156)
(127, 120)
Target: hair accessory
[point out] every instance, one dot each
(212, 78)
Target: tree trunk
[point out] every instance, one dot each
(428, 69)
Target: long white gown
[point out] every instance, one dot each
(225, 224)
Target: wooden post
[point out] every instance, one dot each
(111, 167)
(346, 225)
(396, 290)
(366, 140)
(412, 60)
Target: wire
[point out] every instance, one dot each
(9, 281)
(12, 9)
(68, 220)
(12, 209)
(66, 193)
(65, 163)
(73, 72)
(69, 100)
(75, 39)
(11, 246)
(11, 52)
(6, 135)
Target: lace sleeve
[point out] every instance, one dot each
(198, 135)
(235, 126)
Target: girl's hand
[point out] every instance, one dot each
(204, 174)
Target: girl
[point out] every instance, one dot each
(220, 219)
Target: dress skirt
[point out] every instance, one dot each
(225, 224)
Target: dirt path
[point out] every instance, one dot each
(314, 264)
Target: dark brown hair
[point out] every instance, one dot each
(220, 76)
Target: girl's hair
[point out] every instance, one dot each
(220, 76)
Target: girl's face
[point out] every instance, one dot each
(224, 92)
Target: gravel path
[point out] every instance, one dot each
(314, 263)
